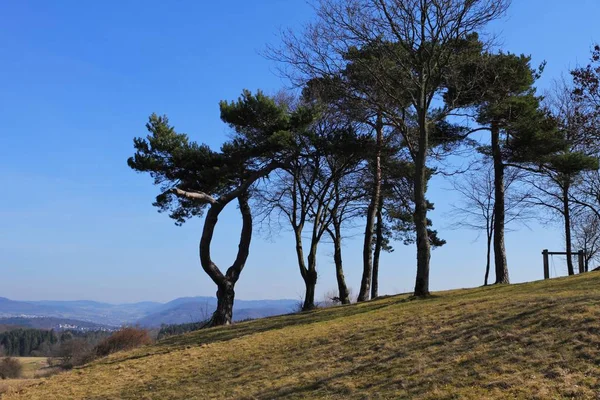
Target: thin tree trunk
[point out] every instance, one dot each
(365, 284)
(377, 252)
(567, 219)
(499, 208)
(488, 259)
(420, 215)
(336, 236)
(309, 294)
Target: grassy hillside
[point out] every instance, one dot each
(532, 341)
(31, 367)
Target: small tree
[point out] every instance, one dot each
(10, 368)
(74, 352)
(311, 195)
(560, 173)
(476, 209)
(586, 235)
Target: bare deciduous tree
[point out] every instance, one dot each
(476, 209)
(586, 235)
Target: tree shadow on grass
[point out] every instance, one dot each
(380, 369)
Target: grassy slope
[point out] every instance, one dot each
(31, 365)
(538, 340)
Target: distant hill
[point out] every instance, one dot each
(50, 323)
(148, 314)
(99, 313)
(194, 309)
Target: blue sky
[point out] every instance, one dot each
(78, 81)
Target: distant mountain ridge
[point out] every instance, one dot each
(146, 314)
(193, 309)
(48, 323)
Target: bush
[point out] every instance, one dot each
(10, 368)
(47, 372)
(125, 339)
(72, 353)
(180, 329)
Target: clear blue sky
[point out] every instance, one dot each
(77, 82)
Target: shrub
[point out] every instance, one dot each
(124, 339)
(47, 372)
(180, 329)
(10, 368)
(72, 353)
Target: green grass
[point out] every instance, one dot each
(532, 341)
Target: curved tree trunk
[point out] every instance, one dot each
(420, 215)
(223, 315)
(377, 252)
(365, 284)
(499, 208)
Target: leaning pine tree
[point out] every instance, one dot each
(192, 177)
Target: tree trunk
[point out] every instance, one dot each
(336, 236)
(499, 208)
(377, 253)
(365, 284)
(420, 216)
(225, 283)
(567, 219)
(310, 278)
(225, 297)
(488, 259)
(310, 283)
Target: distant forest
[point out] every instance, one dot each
(41, 343)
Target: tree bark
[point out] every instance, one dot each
(567, 220)
(377, 252)
(336, 237)
(499, 208)
(310, 283)
(224, 312)
(420, 215)
(310, 277)
(365, 284)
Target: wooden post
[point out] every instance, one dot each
(546, 265)
(581, 259)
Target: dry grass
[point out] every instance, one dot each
(32, 367)
(531, 341)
